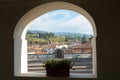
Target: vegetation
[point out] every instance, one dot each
(42, 38)
(58, 68)
(57, 63)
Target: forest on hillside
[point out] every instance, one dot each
(43, 38)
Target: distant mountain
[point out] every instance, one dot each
(60, 33)
(36, 31)
(68, 34)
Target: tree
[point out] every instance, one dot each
(84, 39)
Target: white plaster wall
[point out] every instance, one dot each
(20, 44)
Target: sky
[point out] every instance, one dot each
(62, 21)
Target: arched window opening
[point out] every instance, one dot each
(68, 28)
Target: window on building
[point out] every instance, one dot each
(65, 27)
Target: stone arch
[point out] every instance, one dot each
(20, 43)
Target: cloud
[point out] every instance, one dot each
(62, 21)
(79, 24)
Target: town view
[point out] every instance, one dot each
(42, 46)
(44, 42)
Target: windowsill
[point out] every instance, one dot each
(43, 75)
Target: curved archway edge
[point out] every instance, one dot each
(20, 44)
(39, 10)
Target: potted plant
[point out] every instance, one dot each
(58, 67)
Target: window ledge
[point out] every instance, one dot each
(43, 75)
